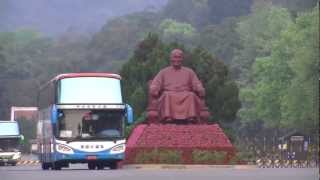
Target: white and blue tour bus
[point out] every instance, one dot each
(82, 118)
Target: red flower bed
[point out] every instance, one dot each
(183, 138)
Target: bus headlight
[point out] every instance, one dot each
(61, 148)
(118, 149)
(17, 155)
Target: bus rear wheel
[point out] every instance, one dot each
(56, 166)
(91, 165)
(113, 165)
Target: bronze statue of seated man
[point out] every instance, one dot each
(176, 94)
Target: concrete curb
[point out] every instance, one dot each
(181, 166)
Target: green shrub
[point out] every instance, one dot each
(205, 157)
(235, 159)
(170, 157)
(145, 156)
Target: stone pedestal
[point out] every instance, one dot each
(183, 144)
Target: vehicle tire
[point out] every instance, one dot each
(56, 166)
(14, 164)
(45, 166)
(91, 165)
(113, 165)
(100, 166)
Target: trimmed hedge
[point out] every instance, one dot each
(159, 156)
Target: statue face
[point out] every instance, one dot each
(176, 60)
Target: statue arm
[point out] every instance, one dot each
(156, 85)
(197, 86)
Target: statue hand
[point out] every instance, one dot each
(201, 93)
(154, 92)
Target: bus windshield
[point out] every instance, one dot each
(90, 124)
(89, 90)
(9, 144)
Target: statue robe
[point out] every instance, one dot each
(178, 92)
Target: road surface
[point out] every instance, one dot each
(80, 172)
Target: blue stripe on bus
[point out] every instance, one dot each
(78, 155)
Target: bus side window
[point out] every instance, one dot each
(61, 120)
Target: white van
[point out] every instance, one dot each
(10, 139)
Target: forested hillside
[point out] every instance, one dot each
(258, 59)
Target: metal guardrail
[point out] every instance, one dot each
(277, 163)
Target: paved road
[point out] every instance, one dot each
(80, 172)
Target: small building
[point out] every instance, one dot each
(294, 146)
(29, 113)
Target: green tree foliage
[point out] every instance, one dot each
(152, 55)
(17, 60)
(117, 40)
(3, 62)
(200, 13)
(222, 40)
(294, 6)
(68, 54)
(22, 49)
(284, 92)
(231, 8)
(301, 102)
(195, 12)
(29, 59)
(257, 32)
(173, 31)
(146, 61)
(28, 130)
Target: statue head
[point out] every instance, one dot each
(176, 58)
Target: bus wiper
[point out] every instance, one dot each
(111, 138)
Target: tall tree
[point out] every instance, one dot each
(152, 55)
(301, 102)
(257, 32)
(260, 94)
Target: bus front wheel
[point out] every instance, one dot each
(45, 166)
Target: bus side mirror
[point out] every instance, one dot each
(21, 137)
(129, 111)
(54, 114)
